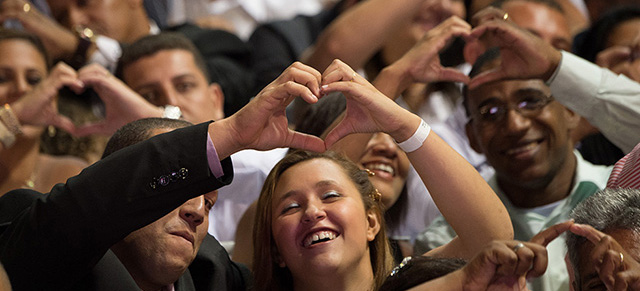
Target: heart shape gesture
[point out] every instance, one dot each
(523, 55)
(39, 107)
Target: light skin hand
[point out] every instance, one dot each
(368, 110)
(262, 124)
(422, 62)
(122, 104)
(523, 55)
(60, 42)
(39, 107)
(615, 273)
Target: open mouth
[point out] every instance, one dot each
(381, 167)
(319, 237)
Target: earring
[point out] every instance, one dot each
(376, 196)
(369, 172)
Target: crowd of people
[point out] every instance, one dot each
(319, 145)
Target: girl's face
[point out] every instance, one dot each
(320, 225)
(390, 165)
(22, 67)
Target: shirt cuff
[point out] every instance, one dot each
(107, 54)
(212, 157)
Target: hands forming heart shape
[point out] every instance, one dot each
(262, 123)
(123, 105)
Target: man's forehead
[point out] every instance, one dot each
(506, 88)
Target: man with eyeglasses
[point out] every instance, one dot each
(526, 137)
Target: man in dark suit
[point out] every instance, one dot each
(60, 241)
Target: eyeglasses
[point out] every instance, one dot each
(529, 104)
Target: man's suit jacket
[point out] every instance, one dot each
(61, 240)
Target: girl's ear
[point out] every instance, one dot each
(373, 225)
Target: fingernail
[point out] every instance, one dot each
(324, 87)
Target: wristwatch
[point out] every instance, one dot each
(86, 37)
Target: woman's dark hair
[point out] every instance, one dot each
(414, 271)
(12, 34)
(594, 40)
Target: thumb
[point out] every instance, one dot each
(335, 135)
(486, 77)
(306, 142)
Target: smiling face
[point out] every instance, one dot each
(171, 77)
(390, 165)
(319, 222)
(526, 149)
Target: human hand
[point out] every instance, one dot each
(367, 110)
(487, 14)
(59, 41)
(422, 62)
(122, 104)
(615, 266)
(506, 265)
(523, 55)
(39, 106)
(262, 123)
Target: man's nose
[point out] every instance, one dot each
(193, 211)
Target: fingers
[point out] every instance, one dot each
(304, 75)
(546, 236)
(488, 14)
(587, 231)
(338, 71)
(306, 142)
(486, 77)
(450, 74)
(520, 259)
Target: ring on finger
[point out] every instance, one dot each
(353, 77)
(505, 16)
(517, 247)
(621, 258)
(26, 7)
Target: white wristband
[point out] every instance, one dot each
(417, 139)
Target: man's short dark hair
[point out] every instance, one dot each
(140, 130)
(484, 62)
(152, 44)
(609, 209)
(549, 3)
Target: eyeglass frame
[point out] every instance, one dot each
(482, 111)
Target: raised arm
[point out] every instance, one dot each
(609, 101)
(357, 34)
(454, 184)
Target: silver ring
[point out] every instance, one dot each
(517, 247)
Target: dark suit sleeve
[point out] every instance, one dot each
(63, 234)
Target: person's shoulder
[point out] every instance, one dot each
(586, 171)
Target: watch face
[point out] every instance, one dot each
(84, 32)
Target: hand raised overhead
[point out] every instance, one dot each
(262, 123)
(39, 107)
(368, 110)
(523, 55)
